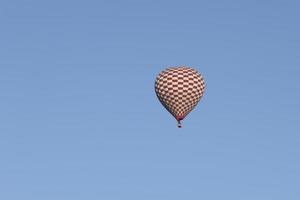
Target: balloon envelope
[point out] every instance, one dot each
(179, 89)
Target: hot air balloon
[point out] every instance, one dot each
(179, 89)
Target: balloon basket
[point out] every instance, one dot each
(179, 124)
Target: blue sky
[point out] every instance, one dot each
(80, 119)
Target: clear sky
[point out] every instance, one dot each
(79, 118)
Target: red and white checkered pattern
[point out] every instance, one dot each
(179, 89)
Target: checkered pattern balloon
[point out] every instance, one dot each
(179, 89)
